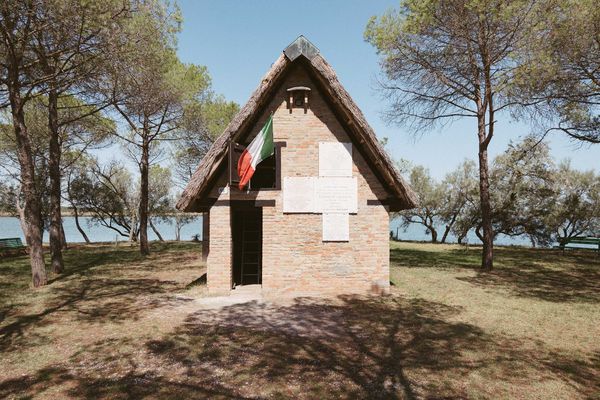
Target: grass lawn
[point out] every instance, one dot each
(117, 325)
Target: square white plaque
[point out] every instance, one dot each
(299, 195)
(336, 227)
(337, 194)
(335, 159)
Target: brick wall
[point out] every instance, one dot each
(218, 272)
(295, 260)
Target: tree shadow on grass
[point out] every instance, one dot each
(451, 259)
(164, 256)
(130, 385)
(101, 284)
(363, 348)
(541, 274)
(92, 301)
(386, 348)
(545, 274)
(580, 285)
(310, 349)
(100, 257)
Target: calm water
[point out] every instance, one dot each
(10, 227)
(417, 232)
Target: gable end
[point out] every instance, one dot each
(347, 113)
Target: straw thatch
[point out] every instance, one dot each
(301, 51)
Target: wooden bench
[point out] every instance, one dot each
(571, 243)
(12, 246)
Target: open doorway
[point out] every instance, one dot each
(246, 224)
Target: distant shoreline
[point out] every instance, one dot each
(86, 214)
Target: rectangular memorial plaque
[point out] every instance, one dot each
(337, 194)
(335, 159)
(299, 195)
(336, 227)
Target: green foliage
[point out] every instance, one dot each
(523, 182)
(217, 113)
(153, 88)
(523, 191)
(531, 197)
(561, 75)
(82, 126)
(443, 205)
(575, 209)
(460, 190)
(8, 199)
(202, 126)
(80, 129)
(430, 202)
(160, 202)
(106, 194)
(403, 166)
(441, 58)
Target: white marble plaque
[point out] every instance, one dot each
(336, 227)
(335, 159)
(299, 195)
(337, 194)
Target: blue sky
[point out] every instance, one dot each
(239, 40)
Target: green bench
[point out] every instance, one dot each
(571, 243)
(12, 246)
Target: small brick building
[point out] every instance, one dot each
(315, 218)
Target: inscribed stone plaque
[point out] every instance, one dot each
(336, 227)
(335, 159)
(299, 195)
(337, 194)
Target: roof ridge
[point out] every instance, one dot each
(301, 47)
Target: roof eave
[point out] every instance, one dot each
(217, 152)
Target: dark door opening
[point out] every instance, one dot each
(247, 246)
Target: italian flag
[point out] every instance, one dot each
(260, 148)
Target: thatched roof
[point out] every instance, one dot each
(300, 51)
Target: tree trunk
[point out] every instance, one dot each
(155, 230)
(177, 231)
(23, 223)
(428, 222)
(532, 240)
(143, 210)
(478, 233)
(63, 237)
(487, 257)
(434, 234)
(54, 174)
(449, 227)
(28, 188)
(133, 228)
(76, 215)
(445, 235)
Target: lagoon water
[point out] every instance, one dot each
(418, 233)
(10, 227)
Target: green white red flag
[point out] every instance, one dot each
(262, 147)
